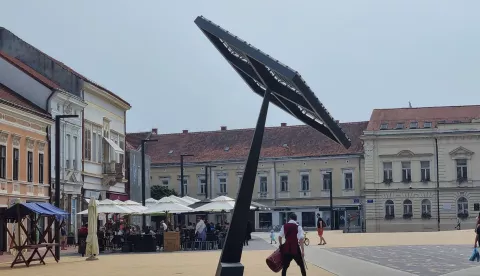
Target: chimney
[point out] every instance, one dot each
(223, 128)
(283, 124)
(155, 131)
(185, 131)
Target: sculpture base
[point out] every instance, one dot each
(226, 269)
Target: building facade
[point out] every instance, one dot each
(408, 154)
(103, 124)
(24, 152)
(48, 96)
(296, 169)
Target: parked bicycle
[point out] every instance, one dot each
(306, 241)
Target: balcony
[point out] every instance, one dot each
(112, 173)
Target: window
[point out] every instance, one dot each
(384, 126)
(94, 147)
(16, 158)
(265, 220)
(348, 180)
(263, 184)
(413, 124)
(389, 209)
(88, 142)
(40, 168)
(164, 181)
(121, 144)
(3, 162)
(30, 166)
(462, 207)
(425, 170)
(407, 207)
(462, 172)
(222, 182)
(399, 126)
(327, 180)
(387, 172)
(201, 185)
(185, 185)
(426, 207)
(75, 153)
(284, 183)
(308, 219)
(427, 124)
(67, 151)
(305, 182)
(406, 172)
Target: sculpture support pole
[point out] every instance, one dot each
(229, 263)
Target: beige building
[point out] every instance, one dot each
(408, 152)
(294, 173)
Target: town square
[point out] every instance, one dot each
(212, 138)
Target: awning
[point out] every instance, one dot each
(114, 146)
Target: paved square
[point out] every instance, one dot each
(425, 260)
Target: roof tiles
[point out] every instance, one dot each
(446, 114)
(285, 141)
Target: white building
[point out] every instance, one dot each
(104, 144)
(402, 147)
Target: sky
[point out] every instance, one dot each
(355, 55)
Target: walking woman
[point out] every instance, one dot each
(320, 226)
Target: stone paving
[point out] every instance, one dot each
(425, 260)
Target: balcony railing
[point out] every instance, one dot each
(113, 168)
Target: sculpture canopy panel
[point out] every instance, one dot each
(260, 71)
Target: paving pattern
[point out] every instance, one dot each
(425, 260)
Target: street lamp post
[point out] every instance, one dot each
(182, 189)
(57, 177)
(206, 178)
(144, 222)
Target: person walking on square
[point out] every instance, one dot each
(272, 237)
(293, 248)
(320, 226)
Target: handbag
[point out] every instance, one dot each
(274, 261)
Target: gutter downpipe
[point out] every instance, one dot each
(438, 184)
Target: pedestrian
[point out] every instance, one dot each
(320, 227)
(477, 231)
(293, 248)
(272, 237)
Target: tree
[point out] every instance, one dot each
(158, 192)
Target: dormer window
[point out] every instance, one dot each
(227, 148)
(427, 124)
(170, 152)
(413, 125)
(384, 126)
(399, 126)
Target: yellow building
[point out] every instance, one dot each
(296, 166)
(24, 152)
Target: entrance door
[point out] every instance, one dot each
(336, 220)
(3, 234)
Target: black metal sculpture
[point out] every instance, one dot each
(283, 87)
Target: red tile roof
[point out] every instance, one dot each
(29, 71)
(7, 96)
(135, 139)
(287, 141)
(448, 114)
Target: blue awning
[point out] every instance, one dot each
(24, 209)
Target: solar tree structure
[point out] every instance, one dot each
(280, 85)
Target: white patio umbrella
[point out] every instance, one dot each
(190, 199)
(180, 200)
(219, 204)
(92, 248)
(108, 206)
(167, 205)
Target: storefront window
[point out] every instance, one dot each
(265, 220)
(308, 219)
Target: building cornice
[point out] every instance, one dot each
(107, 96)
(25, 116)
(68, 97)
(264, 160)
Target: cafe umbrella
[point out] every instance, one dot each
(92, 248)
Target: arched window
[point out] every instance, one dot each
(389, 209)
(462, 207)
(407, 207)
(426, 207)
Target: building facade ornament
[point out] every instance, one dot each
(16, 140)
(3, 137)
(30, 143)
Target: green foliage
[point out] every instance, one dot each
(158, 192)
